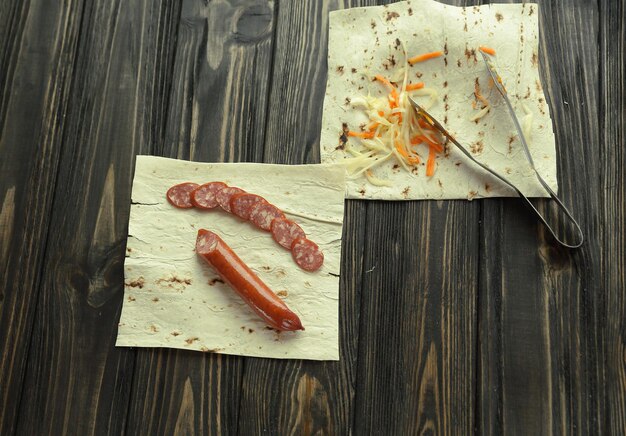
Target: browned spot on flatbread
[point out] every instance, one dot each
(215, 280)
(153, 328)
(174, 279)
(353, 70)
(362, 192)
(534, 60)
(373, 24)
(175, 333)
(531, 11)
(471, 195)
(137, 283)
(511, 141)
(131, 298)
(470, 54)
(410, 11)
(250, 330)
(155, 299)
(347, 101)
(343, 138)
(487, 187)
(282, 293)
(392, 15)
(499, 16)
(190, 341)
(405, 191)
(458, 63)
(477, 147)
(340, 69)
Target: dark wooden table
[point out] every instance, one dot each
(456, 317)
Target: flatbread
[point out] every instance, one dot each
(174, 299)
(363, 42)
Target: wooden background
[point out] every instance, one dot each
(464, 319)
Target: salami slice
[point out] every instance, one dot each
(242, 204)
(204, 196)
(180, 195)
(263, 214)
(223, 197)
(285, 231)
(307, 254)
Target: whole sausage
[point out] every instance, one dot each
(245, 282)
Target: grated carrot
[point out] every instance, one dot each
(414, 86)
(487, 50)
(418, 139)
(385, 82)
(401, 150)
(424, 57)
(364, 135)
(430, 164)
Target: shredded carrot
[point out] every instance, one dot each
(430, 164)
(423, 124)
(401, 150)
(373, 125)
(381, 113)
(424, 57)
(418, 139)
(365, 135)
(487, 50)
(414, 86)
(385, 82)
(414, 160)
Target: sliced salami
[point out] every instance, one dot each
(263, 214)
(180, 195)
(285, 231)
(242, 204)
(307, 254)
(223, 197)
(205, 196)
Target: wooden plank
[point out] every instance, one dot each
(417, 337)
(305, 397)
(218, 104)
(612, 343)
(416, 367)
(541, 310)
(77, 382)
(38, 44)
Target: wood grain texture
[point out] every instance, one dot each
(221, 79)
(76, 381)
(416, 365)
(611, 346)
(300, 397)
(217, 112)
(455, 317)
(38, 47)
(542, 308)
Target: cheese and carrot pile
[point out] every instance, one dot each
(394, 130)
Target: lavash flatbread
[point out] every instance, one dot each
(172, 298)
(363, 42)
